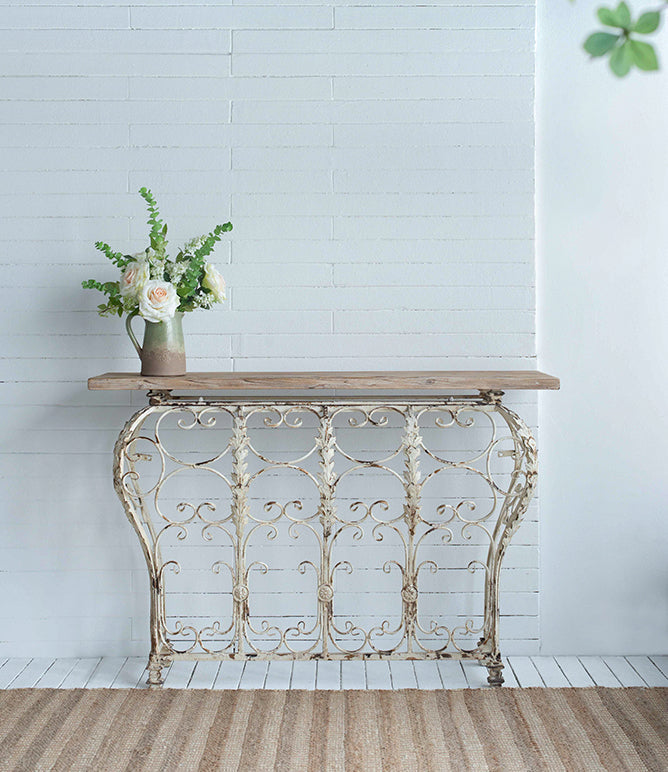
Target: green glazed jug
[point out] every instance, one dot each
(163, 351)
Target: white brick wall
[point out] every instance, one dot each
(376, 160)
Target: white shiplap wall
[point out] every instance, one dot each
(377, 162)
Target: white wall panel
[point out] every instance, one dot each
(376, 160)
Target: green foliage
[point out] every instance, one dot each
(186, 272)
(647, 23)
(599, 43)
(117, 258)
(625, 51)
(114, 304)
(621, 60)
(643, 55)
(158, 228)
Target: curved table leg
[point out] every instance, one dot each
(520, 491)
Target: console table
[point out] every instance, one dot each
(272, 486)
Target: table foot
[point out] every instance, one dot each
(156, 663)
(495, 678)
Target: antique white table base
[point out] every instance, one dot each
(330, 636)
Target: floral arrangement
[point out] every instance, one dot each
(157, 286)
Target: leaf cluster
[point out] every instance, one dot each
(190, 262)
(111, 289)
(158, 230)
(194, 273)
(624, 49)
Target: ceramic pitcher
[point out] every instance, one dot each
(163, 351)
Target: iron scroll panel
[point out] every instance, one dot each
(242, 505)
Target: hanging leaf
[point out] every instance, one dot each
(643, 55)
(608, 17)
(599, 43)
(621, 60)
(648, 22)
(623, 15)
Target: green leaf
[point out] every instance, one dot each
(623, 15)
(608, 17)
(599, 43)
(621, 60)
(647, 22)
(643, 55)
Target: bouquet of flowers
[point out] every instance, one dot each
(157, 286)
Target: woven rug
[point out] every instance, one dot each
(487, 729)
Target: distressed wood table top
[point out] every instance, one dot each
(359, 380)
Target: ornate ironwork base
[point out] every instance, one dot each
(263, 513)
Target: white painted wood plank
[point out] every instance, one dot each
(353, 675)
(550, 672)
(328, 675)
(574, 671)
(80, 673)
(11, 669)
(476, 674)
(378, 675)
(179, 675)
(600, 673)
(648, 671)
(130, 676)
(106, 672)
(403, 674)
(661, 661)
(303, 674)
(427, 675)
(452, 674)
(623, 671)
(279, 674)
(229, 675)
(525, 672)
(509, 679)
(56, 674)
(205, 675)
(254, 675)
(29, 676)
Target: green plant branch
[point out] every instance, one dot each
(623, 47)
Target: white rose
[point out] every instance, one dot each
(158, 300)
(214, 282)
(133, 278)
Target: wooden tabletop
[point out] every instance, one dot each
(399, 380)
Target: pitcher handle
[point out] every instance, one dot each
(128, 327)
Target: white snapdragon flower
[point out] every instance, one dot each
(133, 278)
(158, 300)
(214, 282)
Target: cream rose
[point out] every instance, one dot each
(214, 282)
(158, 300)
(133, 278)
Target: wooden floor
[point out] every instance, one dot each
(130, 673)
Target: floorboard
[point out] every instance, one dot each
(600, 673)
(648, 671)
(229, 675)
(205, 675)
(131, 675)
(525, 672)
(574, 671)
(550, 672)
(279, 674)
(105, 673)
(328, 675)
(31, 674)
(519, 672)
(378, 674)
(402, 673)
(623, 671)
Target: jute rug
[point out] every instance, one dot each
(492, 729)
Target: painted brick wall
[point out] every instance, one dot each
(377, 163)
